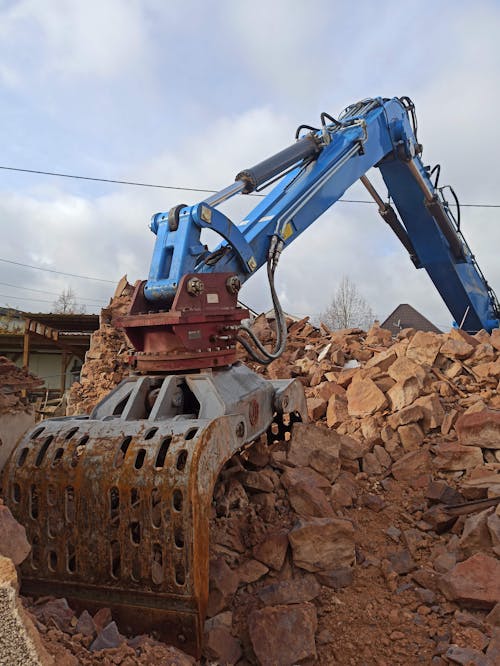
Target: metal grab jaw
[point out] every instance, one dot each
(117, 505)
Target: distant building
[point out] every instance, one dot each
(52, 346)
(404, 316)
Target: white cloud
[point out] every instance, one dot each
(67, 38)
(295, 59)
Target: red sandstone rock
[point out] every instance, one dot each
(308, 500)
(319, 544)
(272, 550)
(474, 583)
(364, 398)
(294, 591)
(223, 583)
(479, 429)
(283, 635)
(411, 465)
(307, 439)
(13, 542)
(424, 347)
(221, 646)
(453, 457)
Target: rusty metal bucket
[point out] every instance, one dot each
(117, 505)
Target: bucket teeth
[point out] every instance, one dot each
(117, 511)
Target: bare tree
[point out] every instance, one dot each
(348, 308)
(66, 303)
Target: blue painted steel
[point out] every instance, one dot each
(379, 133)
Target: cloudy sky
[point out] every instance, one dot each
(186, 93)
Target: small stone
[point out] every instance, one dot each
(493, 616)
(307, 439)
(256, 481)
(493, 651)
(58, 611)
(294, 591)
(221, 646)
(402, 562)
(223, 583)
(308, 500)
(371, 465)
(373, 502)
(456, 349)
(404, 367)
(13, 541)
(466, 656)
(108, 638)
(319, 544)
(272, 550)
(432, 409)
(250, 571)
(85, 625)
(283, 634)
(411, 436)
(445, 562)
(344, 491)
(352, 448)
(336, 578)
(480, 429)
(409, 466)
(394, 533)
(439, 519)
(316, 408)
(452, 457)
(336, 412)
(427, 596)
(303, 475)
(364, 398)
(474, 583)
(424, 347)
(440, 491)
(102, 618)
(476, 535)
(403, 393)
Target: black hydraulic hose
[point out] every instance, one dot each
(265, 356)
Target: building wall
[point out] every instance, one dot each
(47, 366)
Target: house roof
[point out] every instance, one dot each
(405, 316)
(67, 323)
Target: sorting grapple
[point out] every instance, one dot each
(117, 505)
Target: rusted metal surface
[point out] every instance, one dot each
(198, 330)
(117, 506)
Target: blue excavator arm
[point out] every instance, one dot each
(313, 173)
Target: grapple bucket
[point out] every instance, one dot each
(117, 505)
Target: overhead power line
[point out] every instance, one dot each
(181, 188)
(25, 298)
(51, 270)
(52, 293)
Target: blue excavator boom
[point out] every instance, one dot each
(313, 174)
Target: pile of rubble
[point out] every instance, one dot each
(369, 536)
(106, 360)
(14, 382)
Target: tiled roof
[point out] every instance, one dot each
(404, 316)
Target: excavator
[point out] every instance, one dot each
(117, 504)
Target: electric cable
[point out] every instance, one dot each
(51, 270)
(52, 293)
(116, 181)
